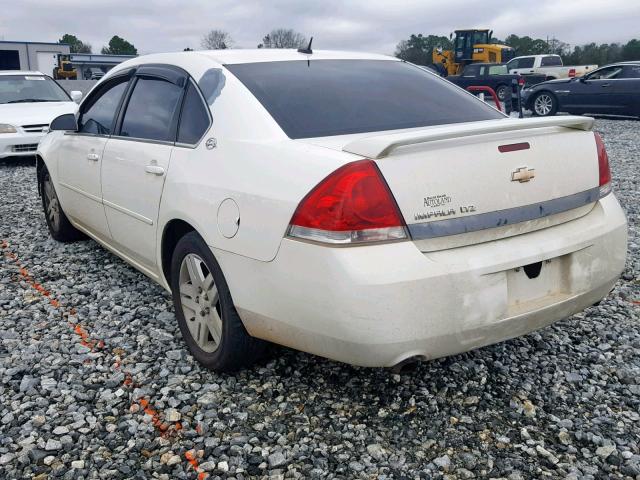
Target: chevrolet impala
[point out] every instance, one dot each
(350, 205)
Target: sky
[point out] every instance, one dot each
(365, 25)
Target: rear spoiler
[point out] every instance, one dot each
(379, 146)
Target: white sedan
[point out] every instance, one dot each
(349, 205)
(28, 103)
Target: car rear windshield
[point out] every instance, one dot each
(338, 97)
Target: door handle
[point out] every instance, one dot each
(93, 157)
(154, 169)
(604, 85)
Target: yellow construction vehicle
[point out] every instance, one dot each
(470, 46)
(65, 69)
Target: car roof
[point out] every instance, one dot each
(231, 56)
(20, 72)
(620, 64)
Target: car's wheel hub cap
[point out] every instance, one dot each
(543, 104)
(200, 303)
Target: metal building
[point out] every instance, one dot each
(88, 63)
(41, 56)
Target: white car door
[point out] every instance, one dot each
(136, 160)
(80, 162)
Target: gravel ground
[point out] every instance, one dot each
(96, 381)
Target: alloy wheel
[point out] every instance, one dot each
(543, 104)
(200, 303)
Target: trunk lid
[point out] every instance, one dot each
(469, 183)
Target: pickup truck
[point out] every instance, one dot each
(548, 65)
(492, 75)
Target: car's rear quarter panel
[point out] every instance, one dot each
(254, 164)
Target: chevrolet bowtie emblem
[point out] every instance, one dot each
(523, 174)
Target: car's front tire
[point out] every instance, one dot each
(59, 225)
(208, 320)
(544, 104)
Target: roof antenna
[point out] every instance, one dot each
(308, 49)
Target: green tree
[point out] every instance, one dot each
(418, 49)
(527, 45)
(119, 46)
(631, 50)
(76, 45)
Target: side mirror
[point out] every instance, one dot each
(76, 95)
(66, 122)
(582, 79)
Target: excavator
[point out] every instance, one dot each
(470, 46)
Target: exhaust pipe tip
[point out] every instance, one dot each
(408, 365)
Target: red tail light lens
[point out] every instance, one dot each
(351, 205)
(603, 166)
(572, 72)
(521, 81)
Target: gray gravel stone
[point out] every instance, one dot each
(563, 402)
(53, 444)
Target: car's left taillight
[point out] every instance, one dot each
(353, 205)
(603, 166)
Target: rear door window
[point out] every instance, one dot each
(337, 97)
(551, 61)
(151, 113)
(631, 71)
(526, 62)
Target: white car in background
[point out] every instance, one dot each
(28, 103)
(349, 205)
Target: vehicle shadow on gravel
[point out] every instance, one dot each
(12, 162)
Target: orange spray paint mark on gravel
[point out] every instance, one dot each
(165, 429)
(193, 461)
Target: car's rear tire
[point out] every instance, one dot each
(59, 225)
(501, 92)
(544, 104)
(208, 320)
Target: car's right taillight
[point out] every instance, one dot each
(603, 166)
(353, 205)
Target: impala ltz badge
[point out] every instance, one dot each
(523, 174)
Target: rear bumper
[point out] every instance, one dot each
(19, 144)
(379, 305)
